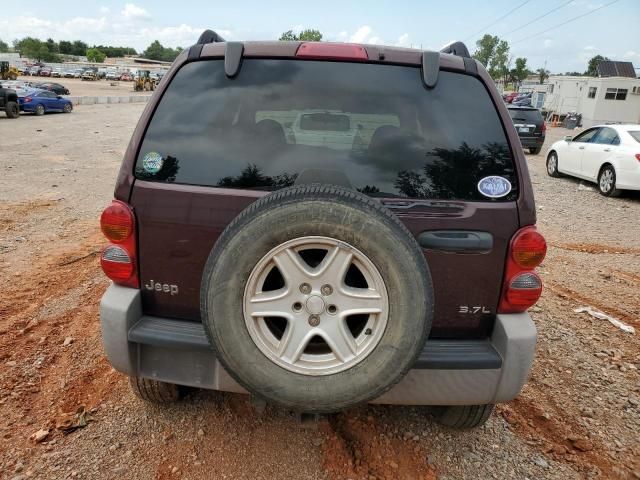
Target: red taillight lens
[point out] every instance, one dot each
(119, 261)
(528, 248)
(544, 127)
(332, 51)
(523, 287)
(524, 290)
(638, 156)
(116, 222)
(116, 263)
(27, 99)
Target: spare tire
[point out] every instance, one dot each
(317, 298)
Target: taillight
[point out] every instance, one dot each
(638, 156)
(522, 286)
(118, 260)
(27, 99)
(332, 51)
(544, 127)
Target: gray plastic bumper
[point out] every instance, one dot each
(448, 372)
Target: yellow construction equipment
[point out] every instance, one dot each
(144, 82)
(7, 72)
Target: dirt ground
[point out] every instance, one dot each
(81, 88)
(578, 417)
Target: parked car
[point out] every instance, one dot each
(312, 276)
(53, 87)
(45, 71)
(9, 102)
(34, 71)
(111, 75)
(508, 97)
(89, 75)
(69, 73)
(56, 72)
(530, 127)
(608, 155)
(77, 73)
(44, 101)
(126, 77)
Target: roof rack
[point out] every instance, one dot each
(456, 48)
(209, 36)
(431, 62)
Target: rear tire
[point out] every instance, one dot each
(12, 110)
(39, 110)
(350, 222)
(535, 150)
(67, 108)
(155, 391)
(552, 165)
(464, 416)
(607, 182)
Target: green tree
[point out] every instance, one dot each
(95, 55)
(498, 63)
(3, 47)
(79, 48)
(156, 51)
(542, 75)
(35, 49)
(307, 35)
(486, 48)
(592, 67)
(52, 46)
(65, 47)
(520, 72)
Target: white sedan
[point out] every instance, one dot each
(608, 155)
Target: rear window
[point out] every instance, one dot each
(376, 125)
(529, 116)
(636, 135)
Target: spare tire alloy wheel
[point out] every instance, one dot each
(317, 298)
(316, 302)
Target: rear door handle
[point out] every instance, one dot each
(581, 148)
(459, 241)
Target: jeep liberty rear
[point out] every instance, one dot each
(322, 225)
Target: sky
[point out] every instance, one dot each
(612, 31)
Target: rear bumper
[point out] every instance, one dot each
(532, 142)
(448, 372)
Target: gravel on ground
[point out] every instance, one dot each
(67, 414)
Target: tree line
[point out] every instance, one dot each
(51, 51)
(491, 51)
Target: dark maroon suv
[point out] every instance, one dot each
(322, 225)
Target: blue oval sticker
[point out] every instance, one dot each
(494, 186)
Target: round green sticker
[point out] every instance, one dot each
(152, 162)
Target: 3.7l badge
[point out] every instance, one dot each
(473, 310)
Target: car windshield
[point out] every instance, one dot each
(374, 126)
(635, 134)
(525, 115)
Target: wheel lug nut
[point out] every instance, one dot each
(332, 309)
(305, 288)
(326, 290)
(314, 320)
(297, 307)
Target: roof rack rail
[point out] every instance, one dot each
(456, 48)
(209, 36)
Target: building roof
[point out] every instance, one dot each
(610, 68)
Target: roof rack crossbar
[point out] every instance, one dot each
(456, 48)
(209, 36)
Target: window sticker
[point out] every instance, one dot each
(152, 162)
(494, 186)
